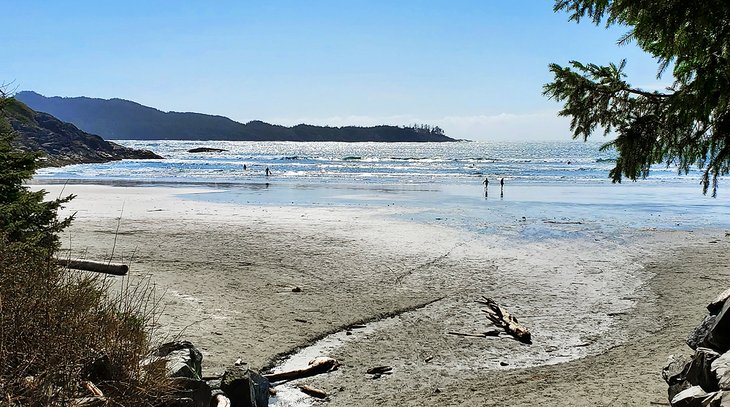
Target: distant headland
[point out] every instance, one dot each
(121, 119)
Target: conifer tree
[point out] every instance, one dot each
(27, 221)
(688, 124)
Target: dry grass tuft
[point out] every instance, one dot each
(59, 329)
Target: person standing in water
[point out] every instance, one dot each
(501, 188)
(268, 172)
(486, 187)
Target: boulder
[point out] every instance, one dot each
(692, 397)
(197, 391)
(182, 359)
(715, 399)
(721, 370)
(677, 388)
(719, 335)
(715, 306)
(206, 150)
(698, 337)
(699, 372)
(245, 387)
(674, 371)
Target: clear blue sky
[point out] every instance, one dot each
(475, 68)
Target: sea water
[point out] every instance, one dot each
(551, 189)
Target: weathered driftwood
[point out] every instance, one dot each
(466, 334)
(502, 319)
(313, 391)
(95, 266)
(91, 387)
(316, 366)
(380, 370)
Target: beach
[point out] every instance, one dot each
(259, 282)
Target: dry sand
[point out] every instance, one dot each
(605, 311)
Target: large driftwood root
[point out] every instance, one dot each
(502, 319)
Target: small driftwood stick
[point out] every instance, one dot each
(95, 266)
(313, 391)
(466, 334)
(316, 366)
(502, 319)
(91, 387)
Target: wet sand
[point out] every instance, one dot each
(605, 311)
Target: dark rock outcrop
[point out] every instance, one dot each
(698, 336)
(63, 143)
(206, 150)
(704, 379)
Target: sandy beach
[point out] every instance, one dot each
(605, 310)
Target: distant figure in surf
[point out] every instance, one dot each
(244, 167)
(486, 187)
(501, 188)
(268, 172)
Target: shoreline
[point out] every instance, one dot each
(230, 269)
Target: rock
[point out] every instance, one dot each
(182, 359)
(715, 400)
(197, 391)
(98, 370)
(715, 306)
(699, 372)
(673, 372)
(719, 335)
(181, 402)
(691, 397)
(206, 150)
(245, 387)
(220, 400)
(698, 337)
(677, 388)
(721, 369)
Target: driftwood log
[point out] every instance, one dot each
(316, 366)
(502, 319)
(95, 266)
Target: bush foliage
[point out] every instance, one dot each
(58, 328)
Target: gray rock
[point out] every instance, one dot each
(715, 306)
(698, 337)
(721, 370)
(674, 371)
(182, 359)
(181, 402)
(719, 335)
(715, 400)
(677, 388)
(245, 387)
(195, 390)
(699, 372)
(691, 397)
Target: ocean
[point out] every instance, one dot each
(551, 189)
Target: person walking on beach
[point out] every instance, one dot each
(268, 172)
(501, 188)
(486, 186)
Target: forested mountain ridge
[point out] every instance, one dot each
(126, 120)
